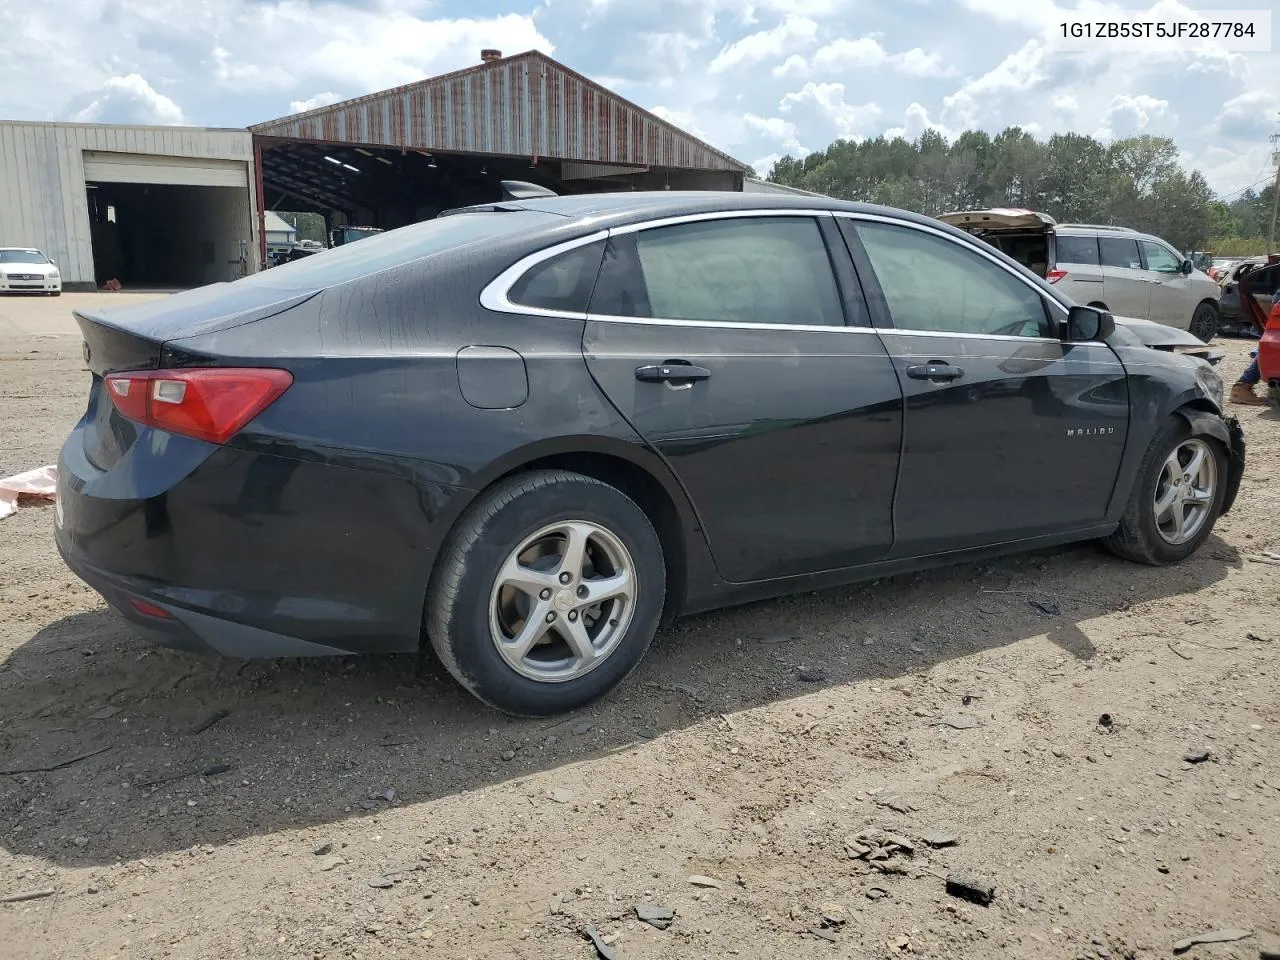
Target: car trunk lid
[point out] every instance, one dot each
(134, 338)
(1000, 218)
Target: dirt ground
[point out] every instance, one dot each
(351, 808)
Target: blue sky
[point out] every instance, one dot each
(757, 79)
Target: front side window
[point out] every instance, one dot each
(1160, 258)
(765, 270)
(931, 283)
(1119, 252)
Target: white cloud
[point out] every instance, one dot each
(793, 65)
(1128, 116)
(791, 33)
(849, 120)
(315, 102)
(1251, 115)
(915, 122)
(129, 99)
(867, 52)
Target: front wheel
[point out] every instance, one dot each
(1204, 322)
(548, 593)
(1175, 499)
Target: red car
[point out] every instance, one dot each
(1265, 280)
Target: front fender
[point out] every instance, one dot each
(1228, 431)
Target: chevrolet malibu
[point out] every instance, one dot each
(526, 432)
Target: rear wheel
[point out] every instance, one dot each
(1175, 499)
(548, 593)
(1204, 322)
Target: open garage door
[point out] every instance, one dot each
(100, 167)
(161, 222)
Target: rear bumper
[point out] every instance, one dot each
(192, 630)
(250, 554)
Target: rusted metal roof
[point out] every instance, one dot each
(527, 105)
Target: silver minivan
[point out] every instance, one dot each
(1128, 273)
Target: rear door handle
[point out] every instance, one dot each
(934, 371)
(667, 372)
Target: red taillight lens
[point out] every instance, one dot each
(207, 403)
(1053, 276)
(150, 609)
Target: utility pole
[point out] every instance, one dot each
(1275, 195)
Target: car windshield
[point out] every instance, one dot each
(22, 256)
(396, 248)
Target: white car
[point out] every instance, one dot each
(23, 268)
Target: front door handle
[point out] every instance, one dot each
(935, 371)
(668, 372)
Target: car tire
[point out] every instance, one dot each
(1204, 322)
(1145, 534)
(499, 578)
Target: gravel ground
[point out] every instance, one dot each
(799, 754)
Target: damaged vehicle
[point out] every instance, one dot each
(1128, 273)
(526, 433)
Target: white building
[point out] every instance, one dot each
(281, 234)
(160, 207)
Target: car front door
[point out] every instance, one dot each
(1010, 433)
(1126, 289)
(732, 349)
(1172, 296)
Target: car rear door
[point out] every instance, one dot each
(1009, 432)
(733, 349)
(1172, 294)
(1076, 268)
(1126, 287)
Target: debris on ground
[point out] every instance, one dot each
(1046, 607)
(823, 934)
(328, 861)
(1197, 755)
(939, 838)
(708, 882)
(28, 895)
(104, 713)
(655, 916)
(811, 674)
(561, 795)
(602, 948)
(57, 765)
(892, 800)
(959, 721)
(27, 488)
(210, 720)
(1229, 935)
(873, 845)
(876, 893)
(974, 889)
(1106, 721)
(322, 848)
(382, 883)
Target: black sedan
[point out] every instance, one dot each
(527, 431)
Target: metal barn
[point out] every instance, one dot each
(404, 154)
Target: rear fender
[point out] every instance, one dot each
(1227, 431)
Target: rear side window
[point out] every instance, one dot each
(1078, 250)
(562, 282)
(1119, 252)
(764, 270)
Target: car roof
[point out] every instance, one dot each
(615, 209)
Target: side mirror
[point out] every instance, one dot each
(1088, 323)
(1187, 266)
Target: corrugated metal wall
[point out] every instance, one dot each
(526, 105)
(43, 202)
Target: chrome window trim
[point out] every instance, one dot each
(494, 296)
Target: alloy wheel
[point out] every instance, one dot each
(1185, 491)
(562, 601)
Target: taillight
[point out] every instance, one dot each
(1053, 276)
(207, 403)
